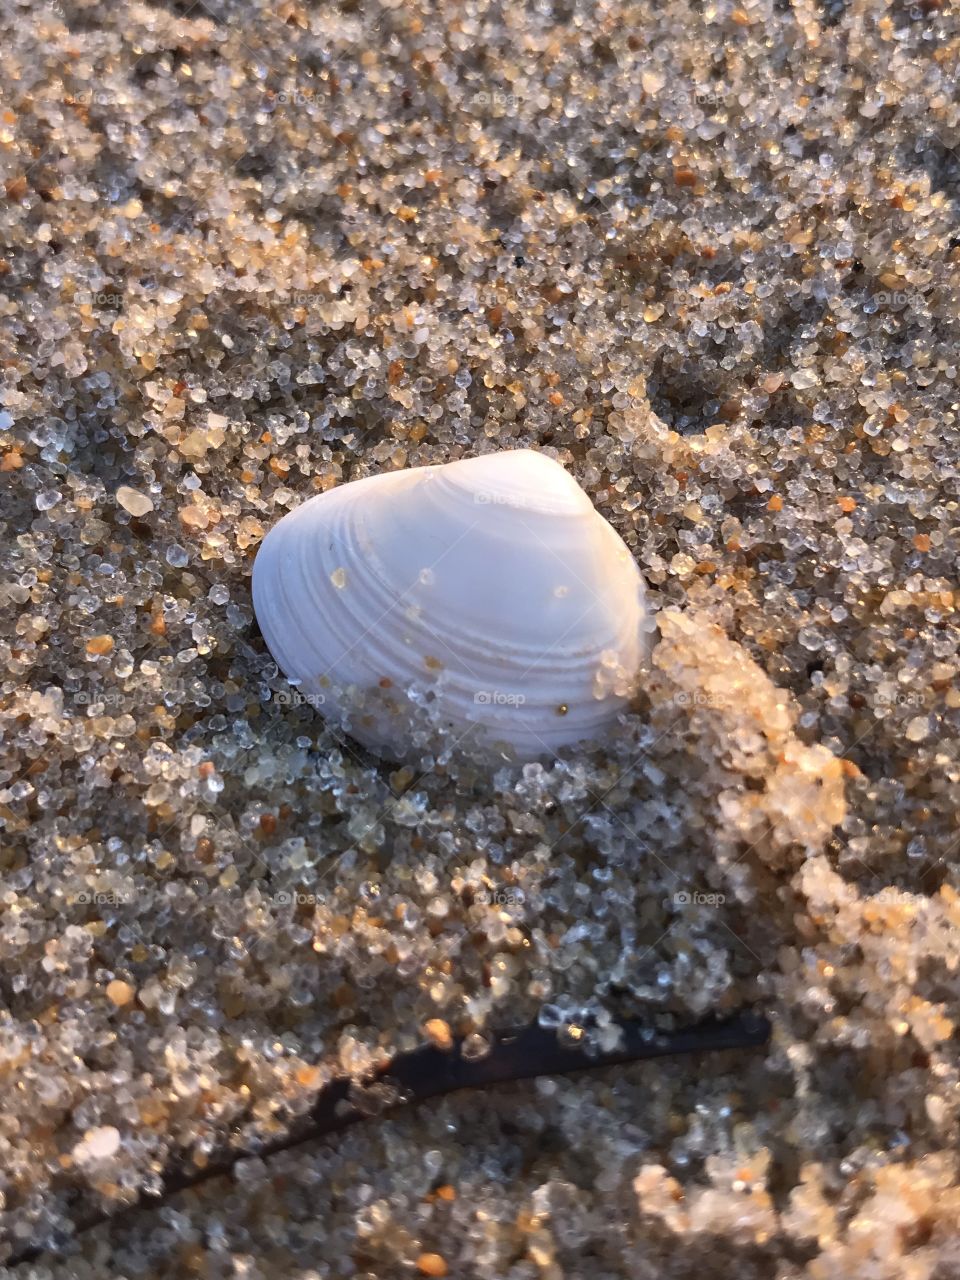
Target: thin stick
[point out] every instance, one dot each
(430, 1072)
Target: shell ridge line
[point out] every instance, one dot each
(389, 600)
(271, 587)
(493, 582)
(338, 604)
(291, 557)
(366, 553)
(566, 658)
(414, 674)
(465, 638)
(306, 559)
(354, 626)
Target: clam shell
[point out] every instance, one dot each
(491, 584)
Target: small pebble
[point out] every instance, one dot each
(97, 1144)
(138, 504)
(119, 992)
(432, 1264)
(438, 1033)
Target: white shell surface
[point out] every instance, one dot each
(492, 581)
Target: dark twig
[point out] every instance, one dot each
(430, 1072)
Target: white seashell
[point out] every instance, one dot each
(491, 581)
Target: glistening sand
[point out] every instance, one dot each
(706, 255)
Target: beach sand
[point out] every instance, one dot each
(704, 254)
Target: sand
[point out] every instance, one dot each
(706, 256)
